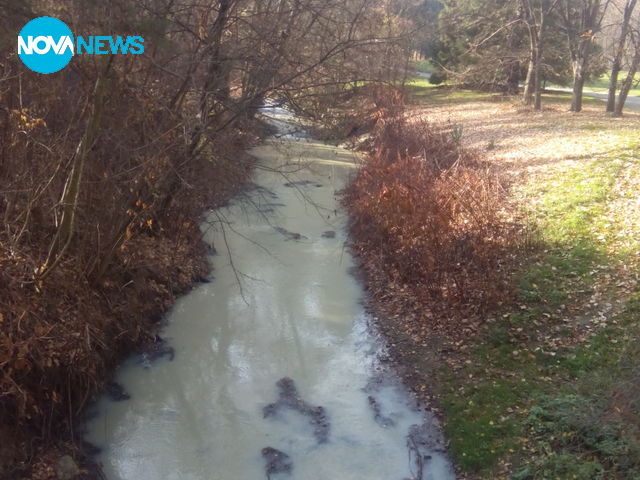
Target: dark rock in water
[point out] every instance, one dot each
(277, 461)
(115, 391)
(426, 437)
(299, 183)
(156, 350)
(421, 441)
(288, 398)
(89, 448)
(289, 235)
(377, 413)
(265, 192)
(329, 234)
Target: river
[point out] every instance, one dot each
(277, 373)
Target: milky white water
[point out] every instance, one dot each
(279, 305)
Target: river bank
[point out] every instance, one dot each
(540, 384)
(82, 331)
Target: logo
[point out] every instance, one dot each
(46, 45)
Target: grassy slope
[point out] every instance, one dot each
(546, 390)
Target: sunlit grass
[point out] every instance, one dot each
(601, 85)
(421, 91)
(508, 403)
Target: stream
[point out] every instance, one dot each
(275, 371)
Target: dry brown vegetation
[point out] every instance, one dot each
(428, 216)
(107, 165)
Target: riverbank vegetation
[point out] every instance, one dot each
(107, 166)
(542, 384)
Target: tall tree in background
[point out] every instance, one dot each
(581, 20)
(481, 43)
(536, 17)
(424, 14)
(631, 74)
(619, 50)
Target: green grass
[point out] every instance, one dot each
(546, 405)
(565, 98)
(422, 92)
(588, 428)
(601, 84)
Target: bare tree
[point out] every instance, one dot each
(629, 79)
(582, 19)
(616, 64)
(536, 16)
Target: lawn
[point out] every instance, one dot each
(424, 66)
(602, 84)
(516, 402)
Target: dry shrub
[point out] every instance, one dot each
(430, 216)
(137, 244)
(349, 112)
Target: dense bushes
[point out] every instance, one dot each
(437, 78)
(429, 215)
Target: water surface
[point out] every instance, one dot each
(282, 304)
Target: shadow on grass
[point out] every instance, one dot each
(529, 395)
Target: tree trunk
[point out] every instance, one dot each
(627, 84)
(617, 59)
(527, 96)
(71, 192)
(580, 34)
(537, 78)
(613, 85)
(513, 70)
(539, 53)
(578, 85)
(513, 78)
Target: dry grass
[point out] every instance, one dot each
(431, 215)
(527, 143)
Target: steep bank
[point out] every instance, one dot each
(63, 337)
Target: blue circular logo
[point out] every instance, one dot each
(46, 45)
